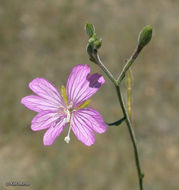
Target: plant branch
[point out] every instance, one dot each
(130, 61)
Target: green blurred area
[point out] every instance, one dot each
(43, 38)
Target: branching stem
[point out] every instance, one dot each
(124, 110)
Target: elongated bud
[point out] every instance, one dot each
(89, 28)
(144, 36)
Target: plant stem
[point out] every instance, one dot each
(128, 64)
(102, 66)
(127, 120)
(132, 136)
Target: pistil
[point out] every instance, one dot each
(67, 138)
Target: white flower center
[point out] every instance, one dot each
(68, 114)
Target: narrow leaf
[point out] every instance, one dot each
(116, 123)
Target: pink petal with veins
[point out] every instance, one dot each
(93, 118)
(38, 104)
(44, 120)
(46, 90)
(82, 129)
(81, 86)
(53, 132)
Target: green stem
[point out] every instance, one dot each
(128, 64)
(132, 136)
(102, 66)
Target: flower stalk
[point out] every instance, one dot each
(129, 63)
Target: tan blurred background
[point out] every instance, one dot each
(46, 38)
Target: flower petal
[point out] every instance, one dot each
(44, 120)
(46, 90)
(53, 132)
(82, 130)
(81, 86)
(38, 104)
(93, 118)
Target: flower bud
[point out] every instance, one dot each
(91, 40)
(145, 36)
(97, 44)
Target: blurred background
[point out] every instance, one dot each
(43, 38)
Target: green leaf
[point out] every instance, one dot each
(116, 123)
(89, 28)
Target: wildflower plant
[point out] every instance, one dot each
(69, 107)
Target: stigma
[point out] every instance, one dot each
(67, 139)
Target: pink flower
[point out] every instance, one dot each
(56, 111)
